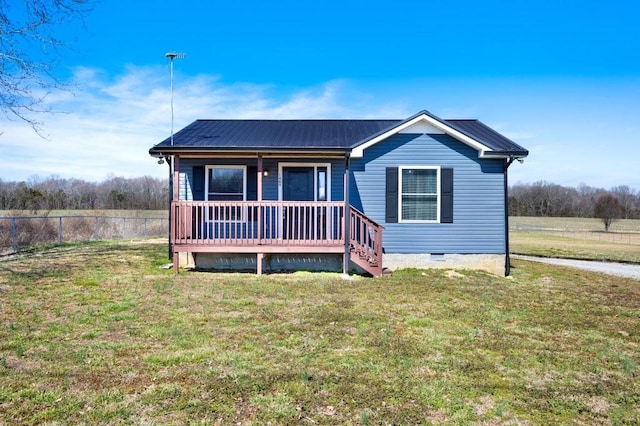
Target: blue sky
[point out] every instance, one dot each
(561, 79)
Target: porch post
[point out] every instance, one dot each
(260, 177)
(173, 220)
(176, 178)
(347, 218)
(259, 256)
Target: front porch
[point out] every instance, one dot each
(267, 227)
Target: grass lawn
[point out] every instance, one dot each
(578, 238)
(97, 333)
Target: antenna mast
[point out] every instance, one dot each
(171, 56)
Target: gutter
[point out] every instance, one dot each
(266, 152)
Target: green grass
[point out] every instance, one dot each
(574, 224)
(578, 238)
(97, 333)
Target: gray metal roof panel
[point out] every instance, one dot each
(312, 135)
(487, 136)
(251, 134)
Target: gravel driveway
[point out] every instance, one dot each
(626, 270)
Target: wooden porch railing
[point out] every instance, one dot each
(276, 226)
(252, 223)
(365, 242)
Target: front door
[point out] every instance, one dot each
(297, 185)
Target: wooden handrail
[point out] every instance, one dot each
(365, 241)
(286, 223)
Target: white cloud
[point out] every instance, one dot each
(108, 125)
(110, 122)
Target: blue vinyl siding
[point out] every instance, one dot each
(337, 180)
(270, 183)
(478, 197)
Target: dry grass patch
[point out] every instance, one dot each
(542, 244)
(580, 238)
(97, 333)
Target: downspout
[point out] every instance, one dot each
(347, 216)
(507, 258)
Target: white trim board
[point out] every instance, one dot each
(315, 166)
(422, 121)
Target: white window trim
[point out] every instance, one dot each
(438, 193)
(244, 188)
(315, 177)
(226, 166)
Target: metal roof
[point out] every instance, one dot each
(487, 136)
(279, 134)
(308, 135)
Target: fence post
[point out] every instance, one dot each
(60, 229)
(95, 229)
(145, 227)
(14, 236)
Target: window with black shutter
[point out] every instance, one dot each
(419, 194)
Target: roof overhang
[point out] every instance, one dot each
(425, 117)
(505, 154)
(163, 151)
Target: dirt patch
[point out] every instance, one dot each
(598, 405)
(451, 274)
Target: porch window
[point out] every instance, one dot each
(226, 183)
(419, 199)
(321, 181)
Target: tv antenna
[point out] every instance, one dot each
(171, 56)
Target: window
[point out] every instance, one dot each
(419, 194)
(226, 183)
(321, 187)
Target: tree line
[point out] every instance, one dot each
(54, 193)
(548, 199)
(147, 193)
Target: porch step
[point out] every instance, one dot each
(363, 255)
(365, 264)
(365, 261)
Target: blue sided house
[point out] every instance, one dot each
(271, 195)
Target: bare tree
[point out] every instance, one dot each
(29, 50)
(608, 209)
(548, 199)
(55, 193)
(627, 199)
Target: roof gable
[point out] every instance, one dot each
(474, 133)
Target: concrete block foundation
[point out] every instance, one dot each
(492, 263)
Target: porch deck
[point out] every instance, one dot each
(275, 227)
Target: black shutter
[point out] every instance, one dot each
(446, 192)
(391, 197)
(197, 187)
(252, 183)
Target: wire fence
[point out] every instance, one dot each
(20, 232)
(618, 237)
